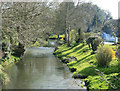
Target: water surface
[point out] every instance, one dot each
(40, 69)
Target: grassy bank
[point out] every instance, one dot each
(86, 66)
(3, 75)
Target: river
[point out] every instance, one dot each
(40, 69)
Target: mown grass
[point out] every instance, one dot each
(83, 64)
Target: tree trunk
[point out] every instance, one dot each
(58, 38)
(66, 31)
(69, 36)
(79, 35)
(66, 36)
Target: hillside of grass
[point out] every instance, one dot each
(86, 65)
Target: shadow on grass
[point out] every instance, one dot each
(81, 60)
(84, 50)
(89, 71)
(76, 49)
(73, 46)
(65, 54)
(84, 58)
(68, 48)
(109, 70)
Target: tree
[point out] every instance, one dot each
(27, 22)
(99, 17)
(68, 36)
(62, 19)
(80, 36)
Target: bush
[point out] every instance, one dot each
(104, 56)
(94, 42)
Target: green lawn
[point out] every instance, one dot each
(83, 64)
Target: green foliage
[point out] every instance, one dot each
(104, 56)
(97, 82)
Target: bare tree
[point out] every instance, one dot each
(27, 22)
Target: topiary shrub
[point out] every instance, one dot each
(104, 56)
(94, 42)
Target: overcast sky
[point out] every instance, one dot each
(110, 5)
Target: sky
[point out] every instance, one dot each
(109, 5)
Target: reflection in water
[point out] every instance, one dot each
(39, 69)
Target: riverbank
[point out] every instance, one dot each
(11, 55)
(86, 66)
(14, 54)
(4, 79)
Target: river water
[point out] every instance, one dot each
(40, 69)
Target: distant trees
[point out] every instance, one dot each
(62, 24)
(86, 16)
(108, 26)
(31, 22)
(99, 17)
